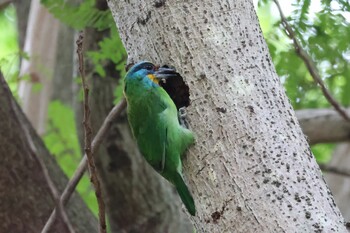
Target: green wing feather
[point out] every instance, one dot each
(149, 132)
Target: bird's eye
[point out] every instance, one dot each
(149, 67)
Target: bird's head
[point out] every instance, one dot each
(149, 75)
(148, 69)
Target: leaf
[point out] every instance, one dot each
(79, 17)
(110, 49)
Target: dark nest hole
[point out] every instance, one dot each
(176, 88)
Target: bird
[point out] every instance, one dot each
(155, 125)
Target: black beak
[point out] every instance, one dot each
(165, 72)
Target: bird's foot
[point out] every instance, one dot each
(182, 115)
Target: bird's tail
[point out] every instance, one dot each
(185, 194)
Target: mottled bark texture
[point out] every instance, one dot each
(137, 199)
(25, 197)
(251, 169)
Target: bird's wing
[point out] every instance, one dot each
(153, 132)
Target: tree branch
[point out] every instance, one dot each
(310, 65)
(335, 170)
(79, 172)
(323, 125)
(4, 4)
(88, 139)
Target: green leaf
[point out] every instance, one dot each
(79, 17)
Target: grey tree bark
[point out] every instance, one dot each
(25, 196)
(137, 199)
(251, 169)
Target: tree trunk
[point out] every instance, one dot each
(22, 11)
(26, 199)
(40, 44)
(63, 73)
(137, 199)
(251, 169)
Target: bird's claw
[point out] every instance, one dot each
(182, 115)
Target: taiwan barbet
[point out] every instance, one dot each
(153, 118)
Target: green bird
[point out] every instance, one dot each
(154, 121)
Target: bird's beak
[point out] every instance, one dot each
(165, 72)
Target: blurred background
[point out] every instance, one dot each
(37, 58)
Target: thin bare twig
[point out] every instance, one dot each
(79, 172)
(310, 65)
(88, 139)
(335, 170)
